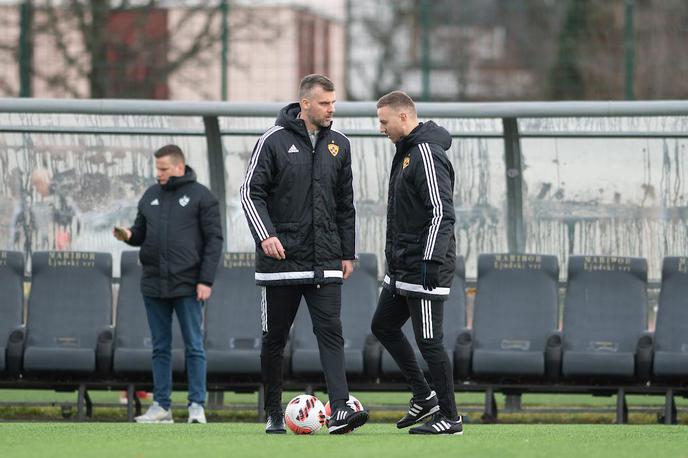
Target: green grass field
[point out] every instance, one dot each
(49, 435)
(378, 440)
(376, 398)
(46, 405)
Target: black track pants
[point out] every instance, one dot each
(427, 318)
(279, 310)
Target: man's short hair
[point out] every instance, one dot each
(397, 100)
(310, 81)
(173, 151)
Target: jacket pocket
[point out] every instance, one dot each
(333, 234)
(409, 247)
(149, 255)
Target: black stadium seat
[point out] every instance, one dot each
(70, 313)
(133, 344)
(11, 307)
(515, 314)
(605, 318)
(361, 349)
(454, 324)
(233, 317)
(671, 332)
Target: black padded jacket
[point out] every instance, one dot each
(420, 213)
(180, 234)
(304, 196)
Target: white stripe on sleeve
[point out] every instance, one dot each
(433, 190)
(246, 202)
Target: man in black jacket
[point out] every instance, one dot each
(180, 234)
(298, 201)
(420, 251)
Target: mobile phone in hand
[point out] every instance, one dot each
(121, 233)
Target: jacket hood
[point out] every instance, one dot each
(288, 118)
(176, 182)
(426, 132)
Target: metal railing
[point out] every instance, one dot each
(211, 112)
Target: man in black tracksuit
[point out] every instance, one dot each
(180, 234)
(298, 199)
(420, 251)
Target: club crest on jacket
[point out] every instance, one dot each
(333, 148)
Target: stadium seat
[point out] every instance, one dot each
(515, 316)
(233, 317)
(361, 349)
(133, 345)
(671, 331)
(70, 313)
(454, 325)
(605, 318)
(11, 306)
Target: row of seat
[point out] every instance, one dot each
(69, 333)
(515, 335)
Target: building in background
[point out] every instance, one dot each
(271, 47)
(481, 50)
(439, 50)
(172, 51)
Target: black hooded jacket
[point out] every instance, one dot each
(420, 212)
(180, 234)
(304, 196)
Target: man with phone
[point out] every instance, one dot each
(180, 234)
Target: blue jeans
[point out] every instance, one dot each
(190, 316)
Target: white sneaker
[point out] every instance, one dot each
(196, 413)
(155, 414)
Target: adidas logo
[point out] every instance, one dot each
(415, 409)
(293, 149)
(441, 426)
(155, 202)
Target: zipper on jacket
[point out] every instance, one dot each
(393, 212)
(313, 197)
(163, 246)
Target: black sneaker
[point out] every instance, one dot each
(345, 420)
(439, 424)
(419, 409)
(275, 424)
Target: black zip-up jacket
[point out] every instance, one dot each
(420, 213)
(180, 234)
(304, 196)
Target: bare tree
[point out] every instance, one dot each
(475, 46)
(661, 54)
(590, 62)
(124, 48)
(378, 38)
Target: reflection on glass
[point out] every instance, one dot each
(66, 192)
(349, 125)
(453, 125)
(479, 192)
(259, 123)
(76, 121)
(479, 198)
(618, 197)
(667, 124)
